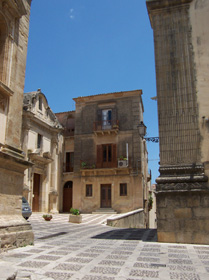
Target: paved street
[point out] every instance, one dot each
(93, 251)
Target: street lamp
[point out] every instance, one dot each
(142, 129)
(142, 132)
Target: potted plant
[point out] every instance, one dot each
(115, 126)
(83, 164)
(75, 216)
(47, 217)
(122, 158)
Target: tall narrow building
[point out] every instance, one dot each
(14, 26)
(181, 38)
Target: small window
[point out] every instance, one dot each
(69, 158)
(89, 190)
(123, 189)
(40, 103)
(39, 141)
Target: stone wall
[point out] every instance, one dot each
(189, 215)
(133, 219)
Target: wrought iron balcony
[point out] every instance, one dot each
(106, 126)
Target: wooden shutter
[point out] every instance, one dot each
(114, 116)
(99, 115)
(99, 156)
(114, 155)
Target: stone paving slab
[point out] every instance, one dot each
(91, 251)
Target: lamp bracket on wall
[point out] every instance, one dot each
(152, 139)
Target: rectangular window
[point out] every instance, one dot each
(107, 153)
(89, 190)
(39, 141)
(106, 119)
(123, 189)
(106, 156)
(69, 162)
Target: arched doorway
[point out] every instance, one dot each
(67, 196)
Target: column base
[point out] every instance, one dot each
(15, 232)
(183, 216)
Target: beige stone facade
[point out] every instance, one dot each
(181, 55)
(42, 145)
(14, 25)
(105, 160)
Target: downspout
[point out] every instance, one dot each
(127, 152)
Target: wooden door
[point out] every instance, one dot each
(106, 196)
(36, 192)
(67, 197)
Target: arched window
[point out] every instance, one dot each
(40, 103)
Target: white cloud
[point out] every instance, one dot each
(71, 14)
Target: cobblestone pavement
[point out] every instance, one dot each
(93, 251)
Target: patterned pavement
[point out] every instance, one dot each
(93, 251)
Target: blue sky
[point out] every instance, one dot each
(86, 47)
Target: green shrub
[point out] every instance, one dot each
(74, 211)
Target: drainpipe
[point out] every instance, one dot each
(127, 152)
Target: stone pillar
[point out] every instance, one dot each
(182, 188)
(15, 231)
(53, 195)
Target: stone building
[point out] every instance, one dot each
(67, 120)
(105, 159)
(14, 25)
(42, 145)
(181, 37)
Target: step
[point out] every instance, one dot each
(105, 211)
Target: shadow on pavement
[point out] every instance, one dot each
(148, 235)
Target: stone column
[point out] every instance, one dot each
(53, 194)
(182, 189)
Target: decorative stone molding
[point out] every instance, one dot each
(5, 90)
(178, 176)
(16, 7)
(3, 102)
(179, 187)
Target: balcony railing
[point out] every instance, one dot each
(106, 125)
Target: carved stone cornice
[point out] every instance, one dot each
(181, 187)
(154, 6)
(182, 169)
(159, 4)
(5, 90)
(182, 177)
(16, 7)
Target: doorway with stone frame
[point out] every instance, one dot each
(106, 196)
(36, 192)
(67, 196)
